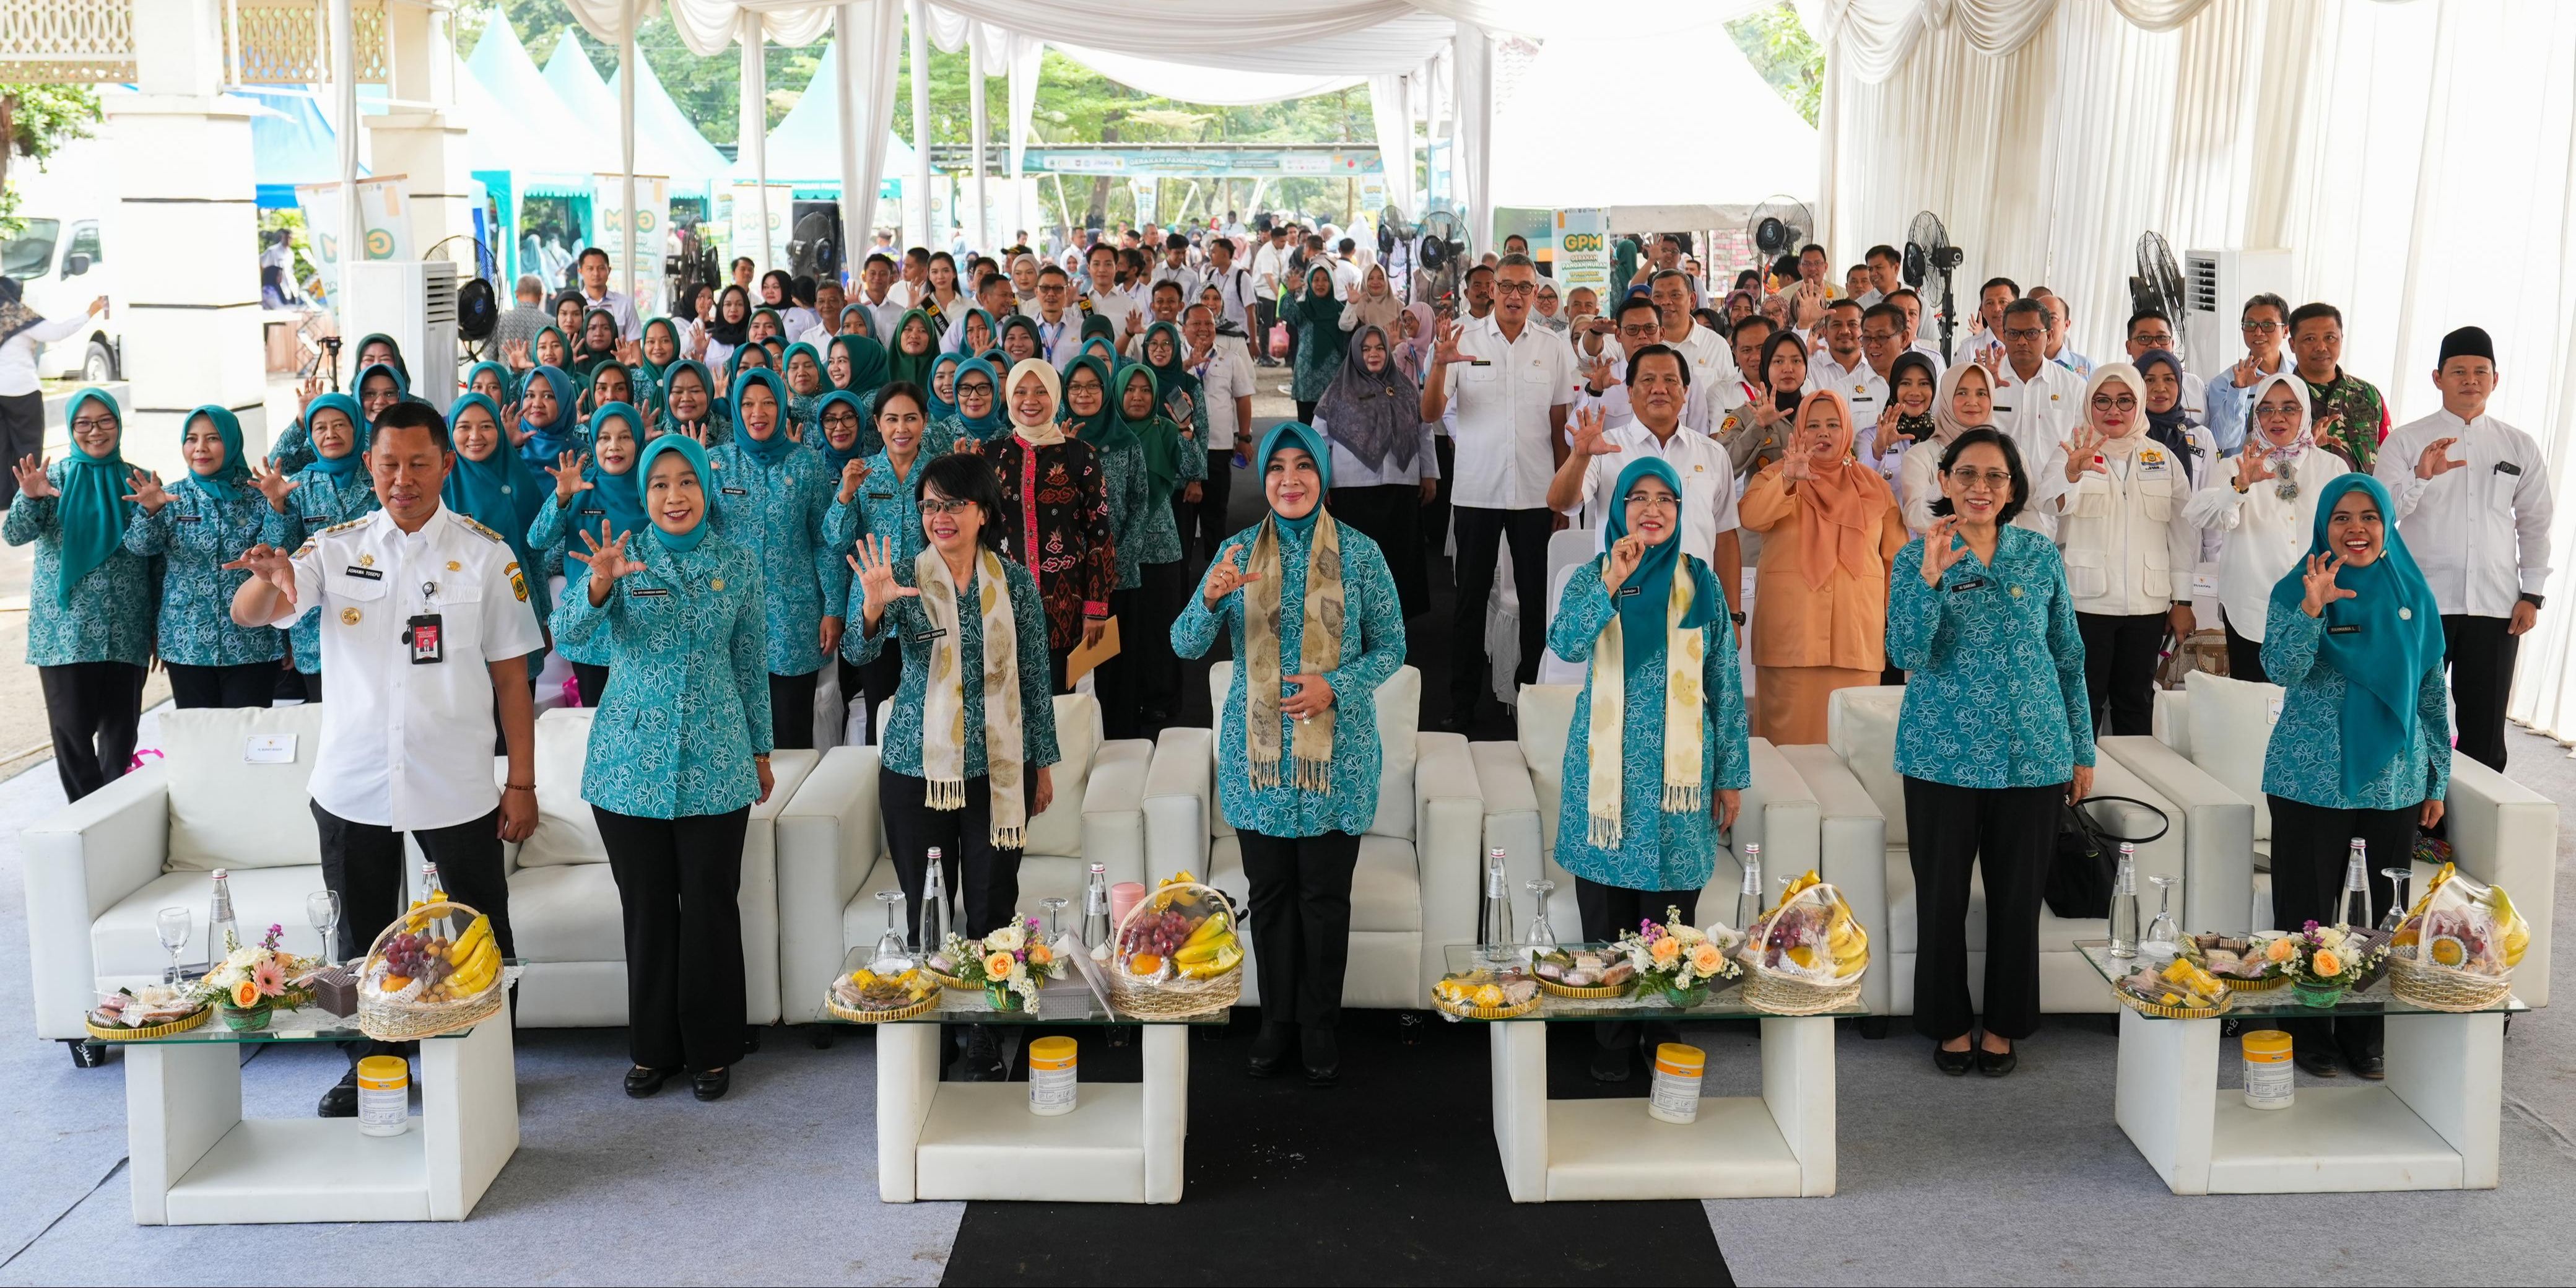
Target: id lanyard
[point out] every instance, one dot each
(427, 633)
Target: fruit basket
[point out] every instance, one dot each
(1807, 956)
(1482, 994)
(1180, 953)
(2458, 946)
(435, 970)
(867, 997)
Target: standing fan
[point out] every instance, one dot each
(1441, 260)
(814, 249)
(1929, 257)
(2157, 286)
(1779, 227)
(1392, 227)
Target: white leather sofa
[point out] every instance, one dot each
(564, 913)
(99, 870)
(1862, 801)
(1524, 789)
(1414, 890)
(2207, 755)
(832, 855)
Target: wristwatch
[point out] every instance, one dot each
(2531, 599)
(1739, 618)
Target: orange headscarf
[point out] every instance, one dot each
(1844, 501)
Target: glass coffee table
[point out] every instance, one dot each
(2433, 1124)
(193, 1159)
(1779, 1144)
(978, 1140)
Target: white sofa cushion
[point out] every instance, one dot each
(567, 912)
(1860, 726)
(1386, 886)
(1399, 719)
(125, 943)
(567, 832)
(1546, 724)
(228, 813)
(2231, 727)
(1077, 741)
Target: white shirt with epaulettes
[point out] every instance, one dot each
(2128, 549)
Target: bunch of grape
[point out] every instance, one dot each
(403, 955)
(1160, 933)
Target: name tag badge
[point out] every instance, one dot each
(1626, 591)
(2154, 467)
(427, 635)
(1972, 583)
(649, 592)
(927, 636)
(2507, 467)
(188, 518)
(736, 491)
(269, 749)
(2344, 630)
(880, 496)
(363, 574)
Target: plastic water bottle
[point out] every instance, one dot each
(1095, 907)
(2352, 908)
(1748, 897)
(934, 907)
(222, 934)
(2124, 903)
(1494, 925)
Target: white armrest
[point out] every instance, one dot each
(1113, 808)
(2218, 833)
(829, 834)
(1511, 821)
(1449, 814)
(79, 862)
(1852, 854)
(1179, 801)
(1780, 814)
(2506, 834)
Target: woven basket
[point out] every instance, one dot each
(2437, 988)
(1178, 997)
(1777, 994)
(387, 1020)
(1463, 1012)
(2144, 1007)
(951, 981)
(1598, 992)
(180, 1025)
(833, 1004)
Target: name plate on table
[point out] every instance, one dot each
(269, 749)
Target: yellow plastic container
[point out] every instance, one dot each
(2269, 1079)
(1052, 1082)
(1675, 1095)
(384, 1095)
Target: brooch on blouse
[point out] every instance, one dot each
(2015, 592)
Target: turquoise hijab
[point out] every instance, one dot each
(2383, 639)
(235, 472)
(402, 383)
(862, 444)
(340, 468)
(501, 493)
(992, 424)
(706, 381)
(509, 384)
(867, 360)
(801, 406)
(941, 408)
(621, 495)
(992, 333)
(549, 441)
(765, 450)
(696, 456)
(1290, 433)
(1642, 614)
(92, 509)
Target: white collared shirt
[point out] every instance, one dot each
(2479, 532)
(2039, 415)
(1225, 376)
(1505, 438)
(883, 315)
(408, 745)
(1866, 391)
(619, 306)
(1061, 339)
(1708, 484)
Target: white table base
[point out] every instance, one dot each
(1779, 1144)
(2433, 1125)
(194, 1160)
(978, 1140)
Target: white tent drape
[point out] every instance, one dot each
(1195, 83)
(1026, 54)
(1391, 112)
(1471, 154)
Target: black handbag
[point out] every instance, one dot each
(2079, 878)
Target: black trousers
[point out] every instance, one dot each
(791, 710)
(1301, 923)
(1141, 687)
(2008, 834)
(2481, 657)
(1435, 520)
(592, 681)
(983, 879)
(2244, 657)
(679, 882)
(1481, 534)
(92, 708)
(1306, 410)
(871, 684)
(1265, 314)
(1390, 514)
(2120, 669)
(1203, 525)
(251, 684)
(309, 683)
(364, 863)
(1607, 910)
(2310, 845)
(22, 433)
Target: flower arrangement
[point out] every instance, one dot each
(1677, 959)
(1008, 964)
(2326, 960)
(254, 979)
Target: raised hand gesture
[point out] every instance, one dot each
(2254, 467)
(272, 483)
(2246, 372)
(1590, 439)
(1888, 430)
(268, 564)
(607, 559)
(1444, 348)
(1597, 374)
(630, 352)
(1941, 550)
(2084, 454)
(1992, 359)
(568, 480)
(852, 475)
(306, 391)
(874, 564)
(2436, 460)
(1226, 576)
(147, 492)
(2323, 434)
(1796, 465)
(1625, 554)
(514, 426)
(32, 480)
(516, 354)
(698, 344)
(2319, 582)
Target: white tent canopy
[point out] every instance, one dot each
(531, 106)
(1563, 149)
(665, 145)
(805, 148)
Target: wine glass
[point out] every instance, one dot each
(2162, 930)
(1541, 935)
(322, 908)
(2397, 879)
(893, 951)
(174, 925)
(1055, 908)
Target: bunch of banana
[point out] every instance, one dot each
(1846, 941)
(1210, 950)
(2513, 934)
(477, 960)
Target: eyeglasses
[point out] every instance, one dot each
(2266, 327)
(2277, 413)
(93, 424)
(2024, 332)
(2114, 402)
(1516, 288)
(1652, 500)
(1992, 480)
(980, 389)
(942, 505)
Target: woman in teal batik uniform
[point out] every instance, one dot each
(207, 521)
(772, 498)
(333, 490)
(89, 607)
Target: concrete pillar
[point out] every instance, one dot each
(183, 271)
(423, 137)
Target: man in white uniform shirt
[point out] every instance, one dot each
(1885, 274)
(1658, 382)
(1176, 267)
(1059, 324)
(596, 295)
(885, 305)
(1512, 383)
(1911, 305)
(426, 629)
(1712, 364)
(1845, 370)
(2037, 403)
(2472, 498)
(1992, 298)
(1233, 281)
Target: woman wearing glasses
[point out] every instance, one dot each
(2128, 546)
(1829, 527)
(1995, 735)
(2265, 500)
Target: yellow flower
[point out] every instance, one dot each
(245, 995)
(1705, 958)
(2327, 964)
(998, 966)
(1040, 955)
(2280, 950)
(1667, 950)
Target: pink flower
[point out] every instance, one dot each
(268, 977)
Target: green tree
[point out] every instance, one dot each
(34, 121)
(1788, 58)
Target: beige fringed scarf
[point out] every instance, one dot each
(1684, 652)
(1319, 650)
(943, 714)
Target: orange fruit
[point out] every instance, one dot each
(1144, 964)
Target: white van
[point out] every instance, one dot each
(59, 257)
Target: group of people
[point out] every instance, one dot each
(983, 463)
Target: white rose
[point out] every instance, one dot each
(1004, 940)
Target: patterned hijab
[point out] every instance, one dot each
(355, 459)
(228, 479)
(1375, 415)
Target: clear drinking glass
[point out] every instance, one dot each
(1542, 934)
(1055, 909)
(322, 908)
(174, 925)
(2163, 930)
(892, 948)
(2397, 881)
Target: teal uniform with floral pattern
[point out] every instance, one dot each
(550, 534)
(195, 535)
(1994, 669)
(107, 617)
(780, 512)
(2304, 761)
(905, 621)
(320, 500)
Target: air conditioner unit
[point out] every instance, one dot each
(414, 301)
(2215, 286)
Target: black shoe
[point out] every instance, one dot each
(2365, 1065)
(341, 1101)
(1954, 1063)
(1609, 1064)
(2317, 1060)
(984, 1055)
(1322, 1053)
(1995, 1064)
(642, 1082)
(1270, 1049)
(711, 1085)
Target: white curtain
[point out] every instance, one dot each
(1391, 111)
(1471, 151)
(1027, 53)
(1190, 82)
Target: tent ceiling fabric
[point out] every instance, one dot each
(1553, 155)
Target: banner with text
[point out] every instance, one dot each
(608, 214)
(384, 222)
(1583, 250)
